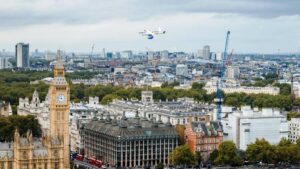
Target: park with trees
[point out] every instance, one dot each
(261, 152)
(23, 123)
(16, 84)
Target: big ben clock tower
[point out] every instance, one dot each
(59, 107)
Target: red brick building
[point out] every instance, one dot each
(203, 136)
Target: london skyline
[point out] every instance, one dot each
(256, 26)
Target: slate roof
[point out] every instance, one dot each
(209, 129)
(131, 127)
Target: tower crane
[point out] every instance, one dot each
(229, 59)
(219, 97)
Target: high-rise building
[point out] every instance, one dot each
(22, 55)
(164, 55)
(4, 63)
(233, 72)
(103, 53)
(109, 55)
(126, 54)
(219, 56)
(50, 55)
(213, 56)
(200, 53)
(206, 52)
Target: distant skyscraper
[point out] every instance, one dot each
(109, 55)
(164, 55)
(126, 54)
(206, 52)
(103, 53)
(22, 55)
(50, 55)
(233, 72)
(200, 53)
(213, 56)
(219, 56)
(4, 63)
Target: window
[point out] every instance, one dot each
(24, 166)
(10, 165)
(56, 165)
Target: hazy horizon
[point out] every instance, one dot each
(257, 26)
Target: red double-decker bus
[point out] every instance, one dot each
(95, 162)
(79, 157)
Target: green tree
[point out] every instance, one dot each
(22, 123)
(233, 101)
(180, 130)
(109, 98)
(213, 155)
(182, 155)
(292, 115)
(159, 166)
(262, 151)
(228, 154)
(298, 142)
(284, 142)
(198, 157)
(198, 86)
(285, 89)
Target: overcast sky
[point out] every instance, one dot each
(262, 26)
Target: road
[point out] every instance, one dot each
(84, 164)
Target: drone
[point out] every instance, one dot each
(150, 34)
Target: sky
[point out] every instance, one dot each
(257, 26)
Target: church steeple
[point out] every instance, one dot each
(35, 99)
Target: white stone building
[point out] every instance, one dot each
(244, 126)
(81, 114)
(147, 97)
(4, 63)
(37, 108)
(177, 111)
(211, 87)
(294, 129)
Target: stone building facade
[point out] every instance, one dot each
(52, 150)
(129, 142)
(37, 108)
(5, 109)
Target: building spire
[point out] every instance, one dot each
(59, 69)
(59, 62)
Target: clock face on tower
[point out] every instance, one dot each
(61, 98)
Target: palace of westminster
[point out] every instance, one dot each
(52, 150)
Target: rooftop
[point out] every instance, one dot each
(131, 127)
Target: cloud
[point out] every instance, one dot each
(185, 32)
(74, 25)
(20, 12)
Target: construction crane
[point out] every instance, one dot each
(219, 97)
(229, 59)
